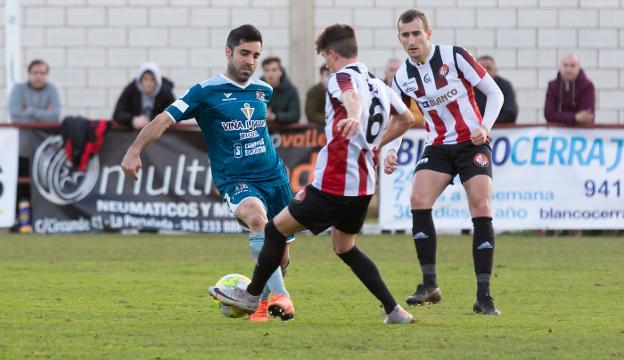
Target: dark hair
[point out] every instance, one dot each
(486, 57)
(272, 59)
(323, 69)
(38, 62)
(243, 33)
(409, 15)
(340, 38)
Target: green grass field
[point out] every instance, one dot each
(144, 297)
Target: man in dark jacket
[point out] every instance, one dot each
(284, 105)
(509, 111)
(315, 99)
(571, 97)
(145, 97)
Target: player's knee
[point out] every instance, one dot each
(481, 208)
(256, 221)
(418, 201)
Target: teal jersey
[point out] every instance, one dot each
(232, 118)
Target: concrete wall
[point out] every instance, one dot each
(94, 46)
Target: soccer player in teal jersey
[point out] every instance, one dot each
(230, 109)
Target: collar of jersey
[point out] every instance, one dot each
(431, 52)
(235, 83)
(357, 63)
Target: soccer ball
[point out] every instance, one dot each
(231, 281)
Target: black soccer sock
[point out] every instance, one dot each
(365, 269)
(483, 253)
(269, 258)
(424, 235)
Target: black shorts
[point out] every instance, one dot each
(318, 211)
(465, 159)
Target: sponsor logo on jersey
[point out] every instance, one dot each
(448, 96)
(248, 125)
(228, 97)
(300, 196)
(427, 78)
(410, 85)
(481, 160)
(247, 110)
(260, 95)
(444, 69)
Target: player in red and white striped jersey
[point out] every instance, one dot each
(441, 79)
(357, 122)
(346, 166)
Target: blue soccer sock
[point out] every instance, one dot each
(275, 283)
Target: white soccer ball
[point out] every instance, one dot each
(231, 281)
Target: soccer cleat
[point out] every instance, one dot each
(283, 307)
(399, 316)
(236, 297)
(485, 305)
(262, 314)
(423, 294)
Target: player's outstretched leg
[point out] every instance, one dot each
(483, 257)
(364, 268)
(424, 235)
(275, 285)
(268, 261)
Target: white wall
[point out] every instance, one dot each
(94, 46)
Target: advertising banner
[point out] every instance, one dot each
(544, 178)
(174, 191)
(8, 175)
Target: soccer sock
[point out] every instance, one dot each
(276, 281)
(424, 235)
(365, 269)
(269, 258)
(483, 253)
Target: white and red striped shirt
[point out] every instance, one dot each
(346, 167)
(443, 89)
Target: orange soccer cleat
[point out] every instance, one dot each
(283, 307)
(262, 314)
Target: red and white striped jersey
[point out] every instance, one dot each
(443, 89)
(346, 167)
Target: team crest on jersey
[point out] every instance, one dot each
(247, 110)
(260, 95)
(300, 196)
(444, 69)
(481, 160)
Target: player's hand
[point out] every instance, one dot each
(131, 164)
(479, 136)
(390, 162)
(348, 127)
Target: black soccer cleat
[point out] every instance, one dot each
(485, 305)
(425, 294)
(277, 311)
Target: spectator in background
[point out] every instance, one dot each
(571, 97)
(391, 68)
(284, 105)
(315, 99)
(145, 97)
(509, 111)
(35, 100)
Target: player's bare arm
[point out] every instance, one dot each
(353, 104)
(131, 163)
